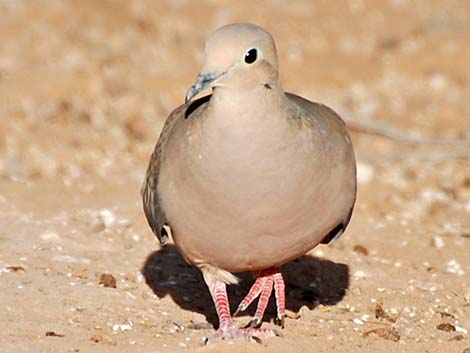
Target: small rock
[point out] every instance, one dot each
(200, 326)
(356, 291)
(454, 267)
(461, 330)
(107, 280)
(123, 327)
(104, 219)
(457, 338)
(359, 249)
(446, 327)
(292, 314)
(437, 242)
(96, 338)
(381, 314)
(175, 327)
(53, 334)
(358, 321)
(359, 274)
(305, 314)
(49, 235)
(390, 334)
(446, 314)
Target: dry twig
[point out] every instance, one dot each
(432, 157)
(375, 128)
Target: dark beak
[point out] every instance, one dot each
(202, 82)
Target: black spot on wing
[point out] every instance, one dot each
(338, 230)
(193, 105)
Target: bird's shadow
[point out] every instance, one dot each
(310, 281)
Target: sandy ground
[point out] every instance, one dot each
(84, 89)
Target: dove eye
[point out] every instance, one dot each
(251, 56)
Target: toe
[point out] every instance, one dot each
(254, 323)
(280, 320)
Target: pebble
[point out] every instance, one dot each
(107, 280)
(438, 242)
(123, 327)
(454, 267)
(103, 219)
(461, 330)
(49, 235)
(359, 274)
(358, 321)
(466, 296)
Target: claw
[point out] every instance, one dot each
(205, 341)
(228, 330)
(254, 323)
(266, 281)
(280, 320)
(240, 308)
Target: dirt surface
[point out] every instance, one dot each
(84, 89)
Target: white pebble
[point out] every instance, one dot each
(123, 327)
(359, 274)
(106, 218)
(454, 267)
(49, 235)
(461, 330)
(358, 321)
(438, 242)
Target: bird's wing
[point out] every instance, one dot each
(326, 116)
(153, 210)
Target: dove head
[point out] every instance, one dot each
(238, 56)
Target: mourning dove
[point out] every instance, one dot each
(249, 177)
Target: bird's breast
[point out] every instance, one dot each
(246, 193)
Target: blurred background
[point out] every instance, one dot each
(85, 87)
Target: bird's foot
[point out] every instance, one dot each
(231, 332)
(228, 330)
(263, 287)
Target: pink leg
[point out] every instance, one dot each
(252, 294)
(219, 295)
(280, 293)
(227, 328)
(263, 286)
(262, 302)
